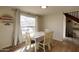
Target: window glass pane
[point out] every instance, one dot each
(27, 24)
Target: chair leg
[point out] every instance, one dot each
(49, 47)
(26, 48)
(44, 47)
(33, 48)
(30, 48)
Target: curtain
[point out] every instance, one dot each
(18, 34)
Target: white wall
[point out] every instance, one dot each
(6, 32)
(55, 23)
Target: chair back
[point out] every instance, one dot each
(28, 39)
(48, 37)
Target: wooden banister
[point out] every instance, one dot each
(72, 17)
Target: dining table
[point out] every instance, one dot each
(37, 37)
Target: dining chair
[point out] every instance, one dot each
(29, 42)
(46, 41)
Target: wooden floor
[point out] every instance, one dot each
(63, 46)
(57, 46)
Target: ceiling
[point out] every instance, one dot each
(49, 10)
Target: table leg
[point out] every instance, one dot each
(35, 46)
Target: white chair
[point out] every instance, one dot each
(29, 42)
(46, 41)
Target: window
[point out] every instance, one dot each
(28, 24)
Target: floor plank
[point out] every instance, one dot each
(63, 46)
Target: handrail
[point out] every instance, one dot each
(75, 14)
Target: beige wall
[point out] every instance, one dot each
(6, 32)
(40, 23)
(55, 23)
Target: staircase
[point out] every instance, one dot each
(75, 17)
